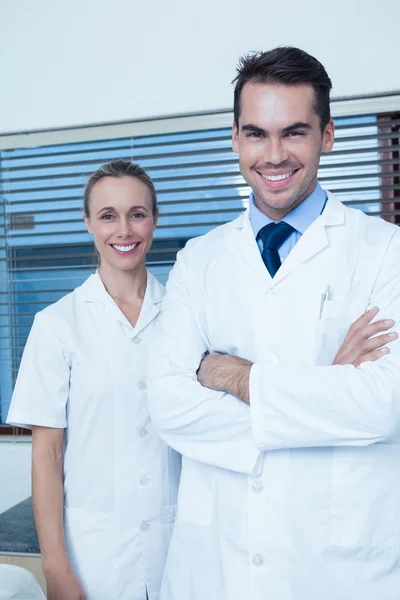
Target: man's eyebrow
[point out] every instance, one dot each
(253, 129)
(296, 126)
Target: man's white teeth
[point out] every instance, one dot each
(278, 177)
(124, 248)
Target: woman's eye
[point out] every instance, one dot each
(107, 217)
(138, 215)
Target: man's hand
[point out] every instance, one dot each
(64, 586)
(225, 373)
(359, 346)
(231, 374)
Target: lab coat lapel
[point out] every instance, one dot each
(311, 242)
(314, 239)
(151, 303)
(95, 291)
(247, 246)
(100, 305)
(92, 290)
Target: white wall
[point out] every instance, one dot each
(73, 62)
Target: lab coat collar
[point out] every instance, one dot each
(311, 242)
(93, 290)
(151, 303)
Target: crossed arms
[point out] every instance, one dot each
(290, 407)
(364, 342)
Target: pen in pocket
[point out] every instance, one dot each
(325, 297)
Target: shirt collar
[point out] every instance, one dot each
(300, 218)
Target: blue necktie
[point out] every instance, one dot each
(273, 235)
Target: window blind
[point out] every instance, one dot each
(45, 251)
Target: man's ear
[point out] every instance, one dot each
(328, 137)
(235, 137)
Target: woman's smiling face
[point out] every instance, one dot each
(121, 221)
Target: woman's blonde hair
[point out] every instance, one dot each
(118, 168)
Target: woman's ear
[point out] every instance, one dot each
(155, 218)
(87, 223)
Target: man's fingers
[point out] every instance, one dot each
(378, 341)
(362, 321)
(371, 356)
(360, 352)
(374, 348)
(363, 342)
(374, 328)
(361, 330)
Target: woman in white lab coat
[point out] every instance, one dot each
(104, 484)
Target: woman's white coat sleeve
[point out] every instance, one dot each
(41, 390)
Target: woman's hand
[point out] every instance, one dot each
(362, 343)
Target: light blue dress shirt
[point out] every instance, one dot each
(300, 219)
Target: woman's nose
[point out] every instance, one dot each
(124, 228)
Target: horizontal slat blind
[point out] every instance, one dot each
(45, 250)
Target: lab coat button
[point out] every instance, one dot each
(141, 385)
(136, 340)
(144, 480)
(257, 486)
(273, 291)
(144, 526)
(272, 358)
(143, 432)
(258, 560)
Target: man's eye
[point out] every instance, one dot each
(294, 134)
(255, 134)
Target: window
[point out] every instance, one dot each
(45, 250)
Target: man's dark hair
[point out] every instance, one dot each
(288, 66)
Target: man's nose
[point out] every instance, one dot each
(275, 152)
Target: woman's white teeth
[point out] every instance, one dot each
(124, 248)
(278, 177)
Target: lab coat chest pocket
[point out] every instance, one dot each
(365, 508)
(196, 494)
(331, 329)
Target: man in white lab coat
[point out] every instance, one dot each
(290, 486)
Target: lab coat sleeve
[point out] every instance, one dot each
(299, 407)
(207, 426)
(41, 390)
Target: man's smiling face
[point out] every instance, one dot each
(279, 141)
